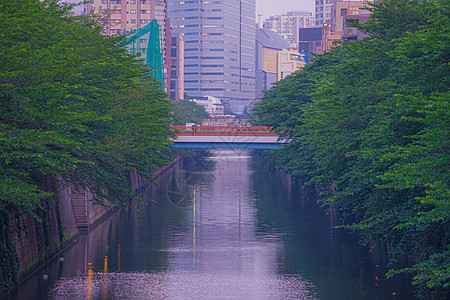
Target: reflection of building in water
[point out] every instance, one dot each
(223, 247)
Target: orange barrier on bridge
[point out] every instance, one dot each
(223, 130)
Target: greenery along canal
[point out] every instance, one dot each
(371, 118)
(220, 228)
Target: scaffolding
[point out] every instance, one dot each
(153, 57)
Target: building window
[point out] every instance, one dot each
(132, 11)
(159, 12)
(104, 1)
(132, 1)
(159, 3)
(133, 21)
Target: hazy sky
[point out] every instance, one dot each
(273, 7)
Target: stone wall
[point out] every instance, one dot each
(65, 215)
(36, 241)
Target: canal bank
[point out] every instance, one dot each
(218, 227)
(29, 244)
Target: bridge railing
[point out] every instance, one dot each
(223, 131)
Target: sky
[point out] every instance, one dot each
(273, 7)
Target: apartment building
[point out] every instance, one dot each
(131, 15)
(337, 30)
(289, 61)
(323, 12)
(287, 25)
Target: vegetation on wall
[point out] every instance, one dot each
(371, 118)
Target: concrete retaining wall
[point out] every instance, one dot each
(67, 214)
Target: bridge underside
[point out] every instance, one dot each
(230, 145)
(228, 142)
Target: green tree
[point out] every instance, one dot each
(377, 129)
(186, 111)
(72, 103)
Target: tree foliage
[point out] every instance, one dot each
(374, 122)
(72, 103)
(186, 111)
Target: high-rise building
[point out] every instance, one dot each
(323, 12)
(131, 15)
(287, 25)
(219, 40)
(176, 67)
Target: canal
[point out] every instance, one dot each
(217, 227)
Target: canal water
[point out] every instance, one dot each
(217, 227)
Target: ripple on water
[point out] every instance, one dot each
(183, 285)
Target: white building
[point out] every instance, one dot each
(212, 105)
(287, 25)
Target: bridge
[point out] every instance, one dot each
(226, 137)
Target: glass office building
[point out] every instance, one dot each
(219, 48)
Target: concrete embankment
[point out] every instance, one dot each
(33, 243)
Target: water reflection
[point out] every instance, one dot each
(218, 229)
